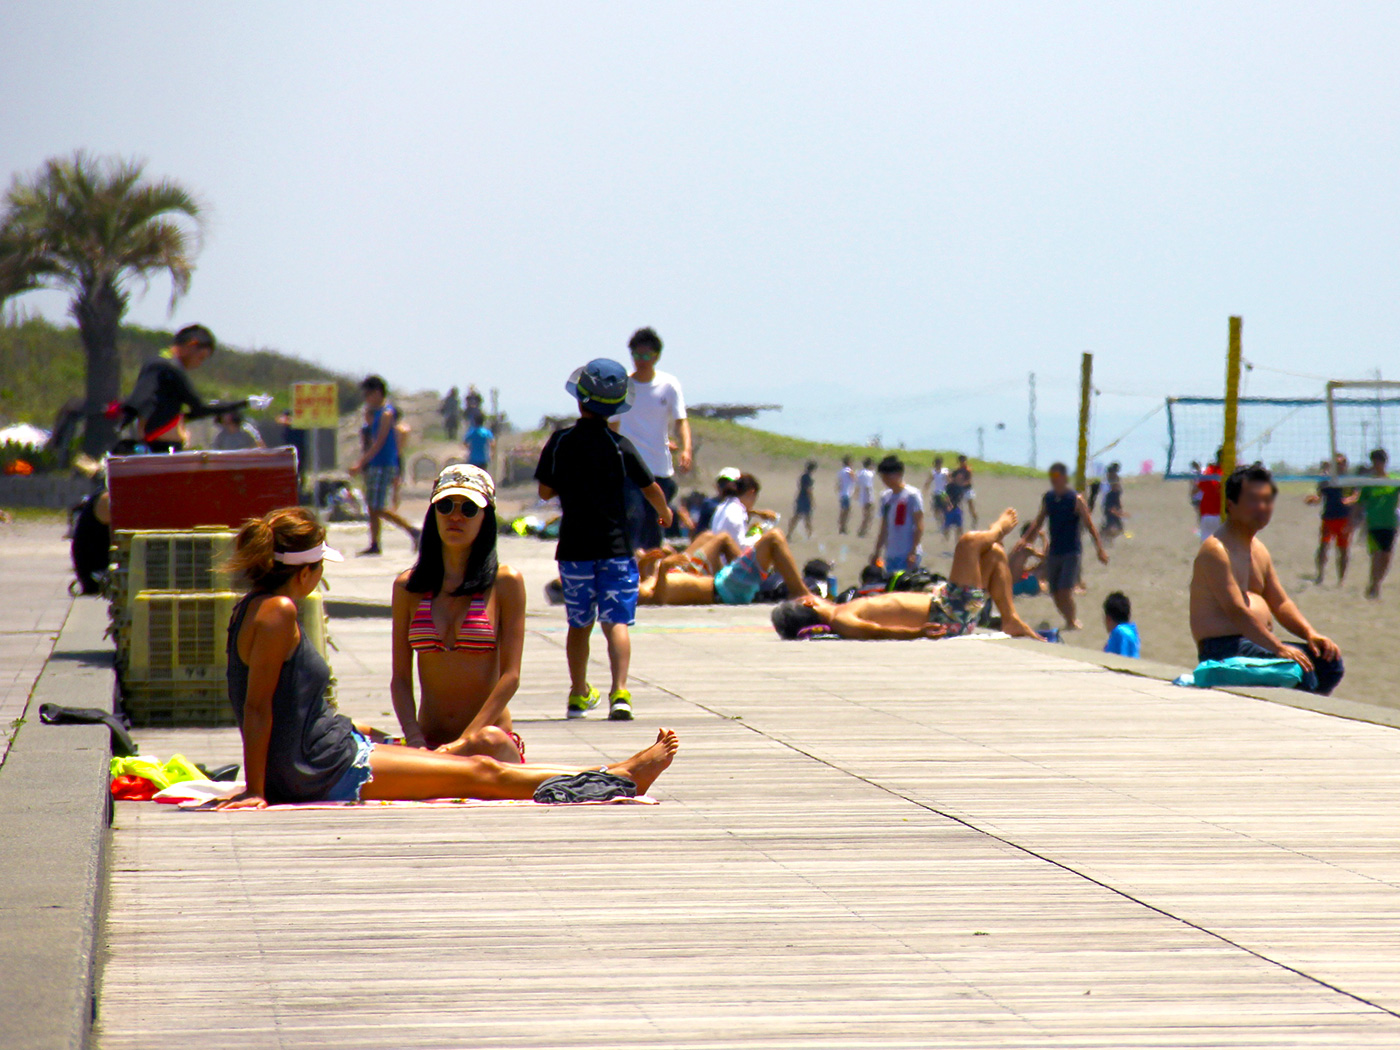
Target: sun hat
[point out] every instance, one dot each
(602, 386)
(463, 479)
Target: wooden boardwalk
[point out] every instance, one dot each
(861, 844)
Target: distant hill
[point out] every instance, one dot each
(41, 367)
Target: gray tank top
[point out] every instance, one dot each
(311, 745)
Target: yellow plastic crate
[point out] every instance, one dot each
(187, 560)
(181, 637)
(201, 704)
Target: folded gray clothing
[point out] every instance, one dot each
(593, 785)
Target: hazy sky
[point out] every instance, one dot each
(882, 216)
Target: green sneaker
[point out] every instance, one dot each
(620, 706)
(581, 704)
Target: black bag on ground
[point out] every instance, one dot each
(917, 581)
(55, 715)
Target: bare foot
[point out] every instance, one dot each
(645, 766)
(1073, 625)
(1005, 523)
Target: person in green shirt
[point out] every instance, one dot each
(1379, 503)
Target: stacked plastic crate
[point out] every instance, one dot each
(172, 595)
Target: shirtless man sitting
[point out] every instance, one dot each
(952, 608)
(678, 579)
(1236, 593)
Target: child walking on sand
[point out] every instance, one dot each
(588, 466)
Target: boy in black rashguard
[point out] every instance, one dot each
(587, 466)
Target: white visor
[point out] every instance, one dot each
(320, 552)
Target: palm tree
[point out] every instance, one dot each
(91, 226)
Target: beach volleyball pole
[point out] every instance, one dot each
(1232, 399)
(1086, 391)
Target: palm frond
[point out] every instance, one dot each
(85, 221)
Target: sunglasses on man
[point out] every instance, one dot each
(447, 505)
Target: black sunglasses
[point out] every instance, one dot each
(445, 506)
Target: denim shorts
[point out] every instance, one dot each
(347, 788)
(605, 589)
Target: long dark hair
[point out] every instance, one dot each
(426, 574)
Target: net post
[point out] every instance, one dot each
(1171, 438)
(1232, 399)
(1332, 428)
(1086, 390)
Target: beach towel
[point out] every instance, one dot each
(1244, 671)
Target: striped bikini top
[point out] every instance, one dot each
(475, 634)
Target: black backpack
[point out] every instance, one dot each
(91, 547)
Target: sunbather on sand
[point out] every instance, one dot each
(950, 608)
(680, 579)
(296, 747)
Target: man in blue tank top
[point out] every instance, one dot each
(379, 461)
(1067, 513)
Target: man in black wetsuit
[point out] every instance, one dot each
(164, 397)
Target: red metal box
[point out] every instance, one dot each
(180, 490)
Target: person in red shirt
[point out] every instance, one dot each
(1208, 505)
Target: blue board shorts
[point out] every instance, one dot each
(953, 517)
(379, 483)
(604, 589)
(739, 582)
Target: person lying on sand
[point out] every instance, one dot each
(951, 608)
(296, 747)
(681, 579)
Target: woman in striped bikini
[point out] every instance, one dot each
(463, 616)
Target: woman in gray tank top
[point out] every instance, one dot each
(296, 746)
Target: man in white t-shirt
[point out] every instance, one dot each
(657, 403)
(901, 520)
(938, 489)
(865, 493)
(845, 489)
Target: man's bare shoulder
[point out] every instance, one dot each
(1212, 553)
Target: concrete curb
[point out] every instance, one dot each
(1337, 707)
(55, 808)
(357, 608)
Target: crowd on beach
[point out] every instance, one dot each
(458, 614)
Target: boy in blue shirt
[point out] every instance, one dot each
(587, 466)
(1122, 634)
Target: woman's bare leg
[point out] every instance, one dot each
(408, 773)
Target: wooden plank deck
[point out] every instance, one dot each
(905, 845)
